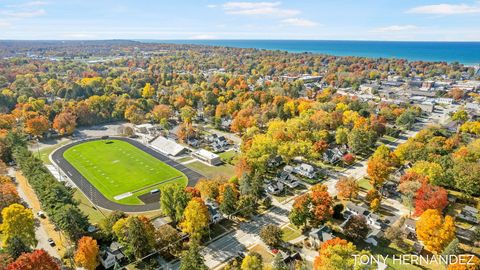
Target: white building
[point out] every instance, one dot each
(168, 147)
(208, 157)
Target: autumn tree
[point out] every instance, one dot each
(375, 204)
(433, 171)
(434, 230)
(18, 222)
(161, 113)
(8, 195)
(347, 187)
(209, 188)
(228, 198)
(173, 201)
(168, 241)
(300, 213)
(271, 235)
(86, 255)
(148, 91)
(356, 228)
(474, 264)
(361, 140)
(338, 253)
(252, 261)
(36, 126)
(430, 197)
(137, 234)
(192, 259)
(378, 171)
(322, 204)
(196, 219)
(36, 260)
(65, 123)
(134, 114)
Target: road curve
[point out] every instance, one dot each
(95, 196)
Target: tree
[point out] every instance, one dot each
(148, 91)
(271, 235)
(137, 235)
(460, 115)
(72, 221)
(86, 255)
(300, 214)
(434, 230)
(406, 119)
(372, 194)
(187, 113)
(192, 259)
(15, 247)
(134, 114)
(208, 187)
(36, 260)
(378, 170)
(341, 136)
(322, 204)
(227, 198)
(65, 123)
(195, 219)
(252, 262)
(173, 201)
(459, 265)
(161, 113)
(430, 197)
(338, 254)
(375, 204)
(361, 140)
(168, 240)
(36, 126)
(278, 262)
(347, 187)
(18, 222)
(107, 223)
(431, 170)
(356, 228)
(8, 195)
(348, 159)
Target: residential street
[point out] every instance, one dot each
(228, 246)
(40, 232)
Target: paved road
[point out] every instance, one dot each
(226, 247)
(40, 232)
(96, 197)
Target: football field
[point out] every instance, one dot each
(121, 171)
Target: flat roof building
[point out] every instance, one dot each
(208, 157)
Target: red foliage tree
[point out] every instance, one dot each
(322, 203)
(193, 192)
(348, 159)
(36, 260)
(430, 197)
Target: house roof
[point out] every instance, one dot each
(167, 146)
(206, 154)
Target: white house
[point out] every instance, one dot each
(207, 156)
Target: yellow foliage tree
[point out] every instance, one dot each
(18, 222)
(87, 253)
(434, 230)
(148, 91)
(195, 219)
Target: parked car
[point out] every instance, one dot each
(41, 214)
(51, 242)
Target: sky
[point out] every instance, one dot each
(403, 20)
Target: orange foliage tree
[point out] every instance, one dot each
(86, 255)
(434, 230)
(65, 123)
(36, 126)
(36, 260)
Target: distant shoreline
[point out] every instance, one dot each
(463, 52)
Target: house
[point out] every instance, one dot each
(112, 255)
(453, 126)
(318, 236)
(275, 162)
(373, 238)
(219, 143)
(226, 123)
(445, 101)
(332, 156)
(374, 221)
(274, 187)
(215, 215)
(168, 147)
(465, 234)
(353, 209)
(417, 248)
(194, 142)
(207, 157)
(469, 214)
(288, 179)
(305, 169)
(409, 229)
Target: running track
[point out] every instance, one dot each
(96, 197)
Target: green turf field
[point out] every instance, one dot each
(117, 168)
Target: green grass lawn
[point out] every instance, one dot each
(118, 167)
(225, 170)
(45, 152)
(365, 184)
(290, 232)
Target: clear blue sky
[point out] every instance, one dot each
(437, 20)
